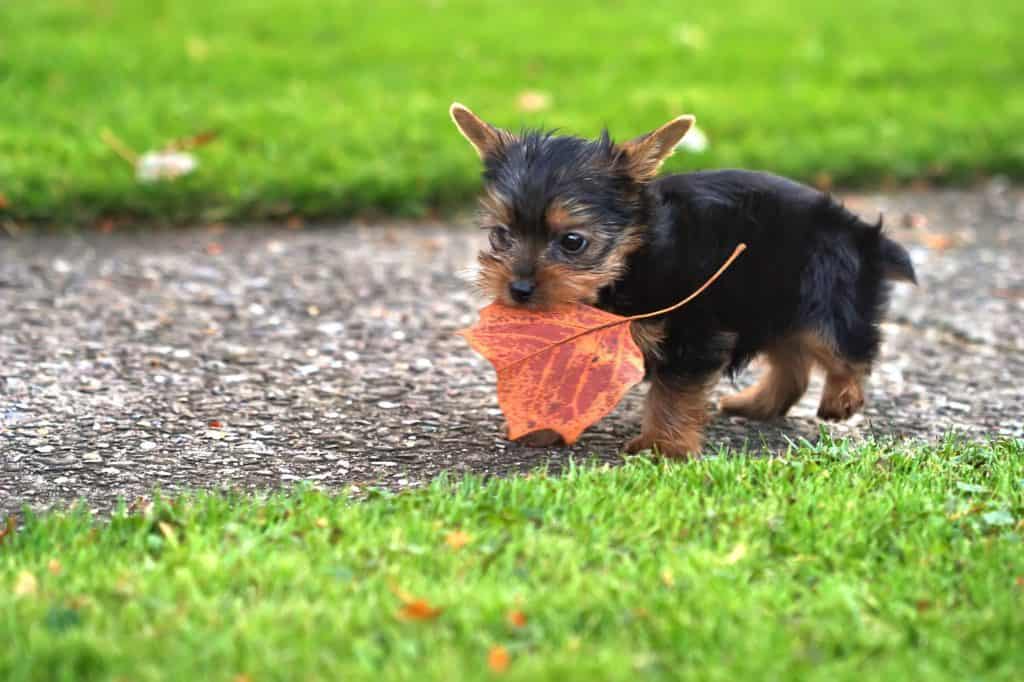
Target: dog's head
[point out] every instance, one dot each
(563, 213)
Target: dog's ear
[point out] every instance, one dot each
(645, 154)
(484, 137)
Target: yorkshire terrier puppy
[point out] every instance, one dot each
(587, 221)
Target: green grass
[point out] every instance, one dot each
(834, 563)
(338, 108)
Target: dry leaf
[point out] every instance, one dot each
(322, 522)
(668, 578)
(737, 553)
(823, 181)
(517, 618)
(565, 368)
(532, 100)
(154, 166)
(54, 567)
(4, 203)
(915, 221)
(197, 49)
(418, 609)
(498, 659)
(8, 529)
(25, 585)
(414, 608)
(191, 142)
(457, 539)
(937, 242)
(167, 530)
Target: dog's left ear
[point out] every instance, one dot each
(645, 154)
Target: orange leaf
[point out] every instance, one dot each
(457, 539)
(414, 608)
(565, 368)
(517, 618)
(8, 529)
(418, 609)
(498, 659)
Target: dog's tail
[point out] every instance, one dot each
(896, 262)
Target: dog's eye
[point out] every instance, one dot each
(572, 242)
(500, 237)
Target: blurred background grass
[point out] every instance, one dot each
(332, 109)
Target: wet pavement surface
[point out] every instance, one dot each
(259, 357)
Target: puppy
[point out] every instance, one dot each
(571, 220)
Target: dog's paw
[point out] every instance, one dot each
(671, 449)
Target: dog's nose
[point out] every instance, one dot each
(521, 289)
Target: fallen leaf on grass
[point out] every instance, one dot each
(516, 618)
(532, 100)
(25, 585)
(4, 203)
(565, 368)
(54, 567)
(414, 608)
(1020, 581)
(737, 553)
(457, 539)
(668, 579)
(498, 659)
(167, 530)
(8, 529)
(168, 163)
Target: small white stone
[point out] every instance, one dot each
(147, 445)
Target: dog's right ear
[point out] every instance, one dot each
(484, 137)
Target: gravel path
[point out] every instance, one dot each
(256, 358)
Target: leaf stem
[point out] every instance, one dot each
(740, 248)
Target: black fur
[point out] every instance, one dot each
(810, 265)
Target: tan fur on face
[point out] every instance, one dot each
(495, 208)
(674, 418)
(564, 217)
(557, 283)
(495, 274)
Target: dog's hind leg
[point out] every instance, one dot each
(780, 387)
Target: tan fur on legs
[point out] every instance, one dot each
(783, 383)
(843, 395)
(674, 418)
